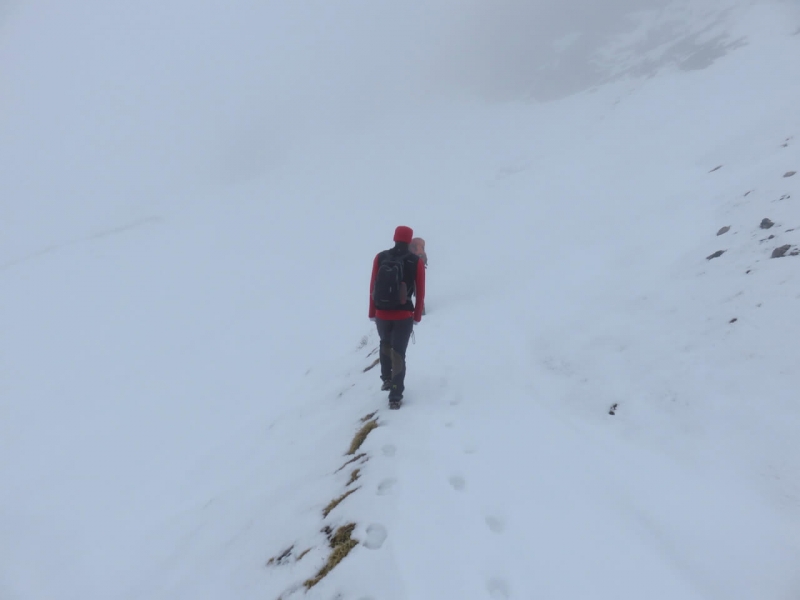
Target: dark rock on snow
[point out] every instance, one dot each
(790, 173)
(725, 229)
(716, 254)
(781, 251)
(766, 224)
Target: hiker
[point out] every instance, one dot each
(417, 246)
(396, 275)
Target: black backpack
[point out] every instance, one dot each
(391, 291)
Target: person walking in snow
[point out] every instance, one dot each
(417, 246)
(397, 275)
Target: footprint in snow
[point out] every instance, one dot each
(470, 448)
(389, 450)
(376, 536)
(495, 524)
(458, 483)
(498, 589)
(385, 487)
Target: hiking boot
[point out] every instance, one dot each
(394, 404)
(387, 385)
(395, 394)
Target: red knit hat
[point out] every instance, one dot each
(403, 234)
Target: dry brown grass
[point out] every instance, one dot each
(354, 476)
(336, 502)
(368, 417)
(302, 555)
(341, 544)
(362, 435)
(373, 365)
(351, 461)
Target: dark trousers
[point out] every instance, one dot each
(394, 341)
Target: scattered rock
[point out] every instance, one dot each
(784, 197)
(781, 251)
(613, 410)
(717, 168)
(733, 320)
(790, 173)
(766, 224)
(772, 237)
(746, 194)
(725, 229)
(716, 254)
(795, 252)
(790, 230)
(748, 271)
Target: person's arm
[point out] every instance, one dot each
(372, 287)
(419, 287)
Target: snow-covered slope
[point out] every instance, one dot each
(184, 373)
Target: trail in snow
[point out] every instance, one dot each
(178, 405)
(94, 236)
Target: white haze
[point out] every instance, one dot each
(190, 198)
(112, 101)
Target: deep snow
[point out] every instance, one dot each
(183, 372)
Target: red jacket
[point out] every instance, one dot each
(398, 315)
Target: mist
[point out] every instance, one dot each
(113, 104)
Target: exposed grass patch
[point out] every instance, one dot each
(302, 555)
(351, 461)
(282, 558)
(336, 502)
(369, 417)
(373, 365)
(362, 435)
(354, 476)
(341, 544)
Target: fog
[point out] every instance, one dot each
(110, 102)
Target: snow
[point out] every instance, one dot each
(184, 269)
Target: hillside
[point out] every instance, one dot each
(602, 399)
